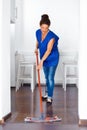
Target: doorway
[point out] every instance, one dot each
(25, 40)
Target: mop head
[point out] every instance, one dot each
(47, 119)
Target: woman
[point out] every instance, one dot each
(47, 42)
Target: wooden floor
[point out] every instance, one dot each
(40, 126)
(25, 103)
(65, 104)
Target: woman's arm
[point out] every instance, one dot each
(48, 51)
(49, 48)
(36, 49)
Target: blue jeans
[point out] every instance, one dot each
(49, 76)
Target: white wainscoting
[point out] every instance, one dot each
(64, 56)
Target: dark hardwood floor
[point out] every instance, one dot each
(25, 103)
(65, 104)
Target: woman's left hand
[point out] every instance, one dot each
(40, 65)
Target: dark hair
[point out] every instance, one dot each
(45, 20)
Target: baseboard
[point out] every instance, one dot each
(13, 86)
(7, 116)
(82, 122)
(56, 84)
(1, 121)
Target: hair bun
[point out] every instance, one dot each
(45, 20)
(44, 17)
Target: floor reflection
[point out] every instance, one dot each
(65, 104)
(49, 110)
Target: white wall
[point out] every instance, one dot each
(5, 106)
(64, 17)
(83, 61)
(12, 54)
(19, 33)
(0, 58)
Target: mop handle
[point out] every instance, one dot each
(39, 86)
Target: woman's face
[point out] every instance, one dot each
(44, 28)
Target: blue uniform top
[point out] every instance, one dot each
(53, 57)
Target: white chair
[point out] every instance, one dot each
(26, 70)
(67, 65)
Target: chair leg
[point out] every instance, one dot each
(18, 75)
(33, 80)
(64, 78)
(77, 83)
(65, 84)
(17, 85)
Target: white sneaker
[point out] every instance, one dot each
(49, 100)
(44, 97)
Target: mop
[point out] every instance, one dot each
(41, 118)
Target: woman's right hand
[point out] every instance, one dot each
(36, 51)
